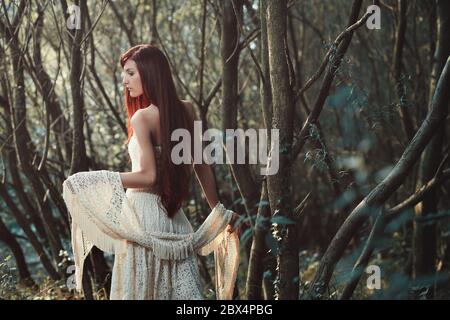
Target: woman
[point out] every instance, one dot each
(155, 246)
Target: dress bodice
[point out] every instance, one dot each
(134, 155)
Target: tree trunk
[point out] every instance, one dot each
(79, 159)
(261, 261)
(424, 238)
(153, 24)
(25, 202)
(24, 224)
(256, 266)
(279, 185)
(59, 123)
(102, 272)
(9, 239)
(25, 148)
(230, 61)
(399, 79)
(116, 114)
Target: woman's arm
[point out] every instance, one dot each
(136, 180)
(206, 179)
(204, 173)
(145, 175)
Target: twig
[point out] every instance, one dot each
(325, 60)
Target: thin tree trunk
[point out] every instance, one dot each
(261, 261)
(79, 158)
(59, 123)
(399, 80)
(24, 147)
(327, 81)
(256, 266)
(16, 180)
(23, 223)
(279, 184)
(101, 88)
(425, 238)
(9, 239)
(125, 25)
(230, 61)
(153, 24)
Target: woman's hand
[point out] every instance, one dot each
(232, 227)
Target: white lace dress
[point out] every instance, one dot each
(138, 274)
(155, 257)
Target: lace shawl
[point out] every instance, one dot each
(103, 216)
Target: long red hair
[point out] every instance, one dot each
(159, 90)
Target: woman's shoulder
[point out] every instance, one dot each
(145, 115)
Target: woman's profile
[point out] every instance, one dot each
(145, 227)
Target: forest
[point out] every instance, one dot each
(357, 91)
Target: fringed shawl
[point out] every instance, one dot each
(103, 216)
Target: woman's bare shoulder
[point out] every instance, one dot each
(149, 115)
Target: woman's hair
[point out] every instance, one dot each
(159, 90)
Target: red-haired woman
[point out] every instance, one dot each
(155, 246)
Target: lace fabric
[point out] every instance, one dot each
(102, 215)
(155, 257)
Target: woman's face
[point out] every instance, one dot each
(132, 79)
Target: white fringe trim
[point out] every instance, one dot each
(211, 236)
